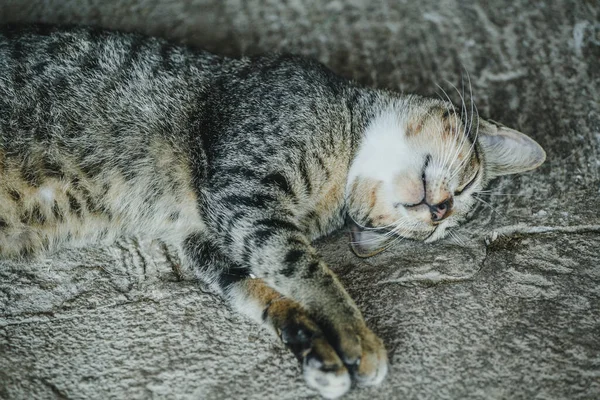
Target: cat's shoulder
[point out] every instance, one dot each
(293, 74)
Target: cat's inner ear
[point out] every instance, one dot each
(507, 151)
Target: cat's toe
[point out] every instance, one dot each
(373, 365)
(324, 371)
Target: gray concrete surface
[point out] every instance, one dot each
(507, 309)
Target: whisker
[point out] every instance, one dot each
(448, 154)
(367, 228)
(504, 194)
(472, 145)
(471, 101)
(474, 111)
(383, 236)
(359, 225)
(464, 136)
(463, 103)
(455, 236)
(485, 203)
(459, 142)
(398, 238)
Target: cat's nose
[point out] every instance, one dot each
(441, 210)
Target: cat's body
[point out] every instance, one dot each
(107, 129)
(239, 163)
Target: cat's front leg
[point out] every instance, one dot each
(274, 248)
(322, 368)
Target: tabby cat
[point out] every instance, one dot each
(240, 164)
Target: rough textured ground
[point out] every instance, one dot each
(510, 308)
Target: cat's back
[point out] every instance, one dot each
(81, 78)
(104, 133)
(47, 55)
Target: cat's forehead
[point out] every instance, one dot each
(433, 109)
(430, 118)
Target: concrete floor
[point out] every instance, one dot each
(509, 308)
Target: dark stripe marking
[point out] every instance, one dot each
(232, 275)
(256, 201)
(279, 180)
(313, 267)
(15, 195)
(74, 205)
(262, 236)
(323, 166)
(305, 176)
(291, 259)
(57, 212)
(278, 224)
(37, 216)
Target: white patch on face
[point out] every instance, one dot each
(384, 150)
(412, 161)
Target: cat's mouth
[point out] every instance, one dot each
(371, 241)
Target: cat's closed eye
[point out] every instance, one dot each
(467, 185)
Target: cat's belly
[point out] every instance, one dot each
(56, 213)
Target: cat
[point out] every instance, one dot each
(240, 164)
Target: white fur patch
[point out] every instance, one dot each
(246, 305)
(384, 150)
(329, 384)
(400, 163)
(46, 194)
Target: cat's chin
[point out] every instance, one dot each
(440, 232)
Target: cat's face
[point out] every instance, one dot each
(419, 166)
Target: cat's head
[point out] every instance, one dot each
(418, 167)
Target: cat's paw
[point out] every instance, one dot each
(331, 355)
(363, 353)
(373, 365)
(322, 367)
(324, 371)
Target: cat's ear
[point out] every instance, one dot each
(507, 151)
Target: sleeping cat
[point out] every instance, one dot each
(240, 164)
